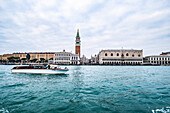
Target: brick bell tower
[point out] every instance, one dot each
(77, 45)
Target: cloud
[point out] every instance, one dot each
(34, 25)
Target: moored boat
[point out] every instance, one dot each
(39, 69)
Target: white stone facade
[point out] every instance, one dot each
(66, 58)
(157, 60)
(94, 60)
(121, 57)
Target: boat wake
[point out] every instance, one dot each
(163, 110)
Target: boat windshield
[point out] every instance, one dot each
(37, 67)
(30, 67)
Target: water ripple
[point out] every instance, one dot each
(13, 85)
(98, 89)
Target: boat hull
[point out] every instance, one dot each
(39, 71)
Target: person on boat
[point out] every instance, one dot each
(48, 66)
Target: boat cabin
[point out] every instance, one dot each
(30, 67)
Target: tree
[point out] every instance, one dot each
(3, 61)
(28, 57)
(31, 60)
(17, 59)
(46, 60)
(42, 59)
(34, 60)
(23, 59)
(13, 59)
(51, 59)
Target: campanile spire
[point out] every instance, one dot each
(77, 33)
(77, 44)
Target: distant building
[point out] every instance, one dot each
(36, 55)
(121, 57)
(33, 55)
(65, 58)
(94, 59)
(157, 60)
(84, 60)
(77, 44)
(5, 56)
(165, 53)
(0, 57)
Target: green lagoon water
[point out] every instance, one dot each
(87, 89)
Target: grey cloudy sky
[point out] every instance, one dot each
(50, 25)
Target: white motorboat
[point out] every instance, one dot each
(39, 69)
